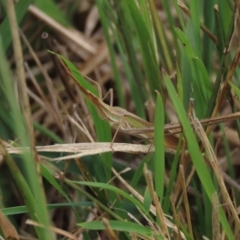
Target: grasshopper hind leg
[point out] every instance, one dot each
(121, 121)
(110, 93)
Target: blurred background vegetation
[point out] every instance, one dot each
(166, 62)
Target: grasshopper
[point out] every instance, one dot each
(119, 118)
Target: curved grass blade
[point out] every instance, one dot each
(121, 226)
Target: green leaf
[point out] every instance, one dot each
(120, 226)
(23, 209)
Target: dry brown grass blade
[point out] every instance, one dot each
(215, 218)
(54, 229)
(93, 62)
(232, 183)
(225, 87)
(159, 211)
(176, 217)
(7, 228)
(235, 159)
(178, 191)
(69, 34)
(49, 108)
(214, 164)
(174, 128)
(85, 149)
(133, 236)
(185, 200)
(52, 105)
(111, 234)
(231, 135)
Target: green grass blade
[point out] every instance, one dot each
(159, 36)
(225, 16)
(159, 160)
(172, 178)
(200, 81)
(34, 198)
(116, 72)
(201, 214)
(148, 51)
(186, 76)
(21, 9)
(23, 209)
(179, 83)
(28, 197)
(207, 42)
(179, 14)
(207, 215)
(121, 226)
(45, 170)
(219, 33)
(54, 137)
(115, 190)
(124, 39)
(221, 73)
(195, 23)
(139, 172)
(147, 199)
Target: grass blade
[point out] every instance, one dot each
(195, 154)
(159, 161)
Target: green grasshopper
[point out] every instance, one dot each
(119, 118)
